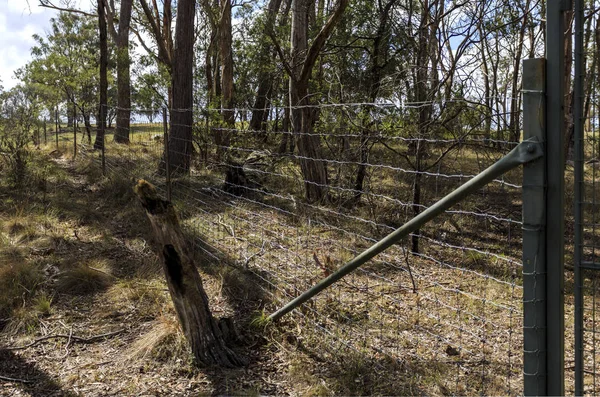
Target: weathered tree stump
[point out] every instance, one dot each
(201, 329)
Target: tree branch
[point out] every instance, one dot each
(49, 4)
(284, 62)
(321, 39)
(73, 338)
(110, 18)
(163, 53)
(143, 44)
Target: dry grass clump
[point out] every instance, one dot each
(85, 278)
(164, 342)
(18, 281)
(149, 298)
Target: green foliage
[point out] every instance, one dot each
(149, 94)
(65, 62)
(19, 112)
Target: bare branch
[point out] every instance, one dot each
(110, 18)
(49, 4)
(74, 338)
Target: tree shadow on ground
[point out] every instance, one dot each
(37, 383)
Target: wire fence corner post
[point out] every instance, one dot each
(534, 233)
(166, 149)
(579, 185)
(555, 194)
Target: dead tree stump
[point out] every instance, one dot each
(201, 329)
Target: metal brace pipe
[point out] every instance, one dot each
(526, 151)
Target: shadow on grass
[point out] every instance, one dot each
(34, 381)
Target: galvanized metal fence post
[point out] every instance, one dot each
(555, 163)
(578, 119)
(166, 150)
(534, 234)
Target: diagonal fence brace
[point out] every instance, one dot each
(525, 152)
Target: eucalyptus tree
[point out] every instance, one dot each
(180, 139)
(157, 22)
(66, 60)
(120, 35)
(299, 68)
(20, 108)
(149, 94)
(103, 86)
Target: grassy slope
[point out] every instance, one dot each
(76, 259)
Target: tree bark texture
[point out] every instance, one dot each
(266, 77)
(99, 143)
(123, 74)
(303, 60)
(226, 55)
(180, 140)
(201, 329)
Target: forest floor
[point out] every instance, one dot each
(84, 309)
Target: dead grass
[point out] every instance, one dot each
(85, 278)
(371, 334)
(164, 342)
(18, 281)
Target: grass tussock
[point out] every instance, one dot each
(164, 342)
(150, 298)
(18, 282)
(85, 278)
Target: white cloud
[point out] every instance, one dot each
(23, 7)
(19, 21)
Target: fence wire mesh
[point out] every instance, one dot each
(587, 184)
(440, 313)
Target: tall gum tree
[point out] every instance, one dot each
(180, 139)
(120, 36)
(102, 107)
(303, 115)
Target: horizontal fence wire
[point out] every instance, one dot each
(445, 305)
(589, 242)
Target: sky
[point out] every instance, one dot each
(19, 21)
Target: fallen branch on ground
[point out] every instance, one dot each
(16, 380)
(72, 338)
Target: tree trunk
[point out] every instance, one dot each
(180, 140)
(377, 61)
(99, 143)
(260, 108)
(514, 127)
(422, 96)
(201, 329)
(88, 126)
(314, 168)
(123, 74)
(225, 50)
(266, 77)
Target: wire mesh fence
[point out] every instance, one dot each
(441, 312)
(585, 156)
